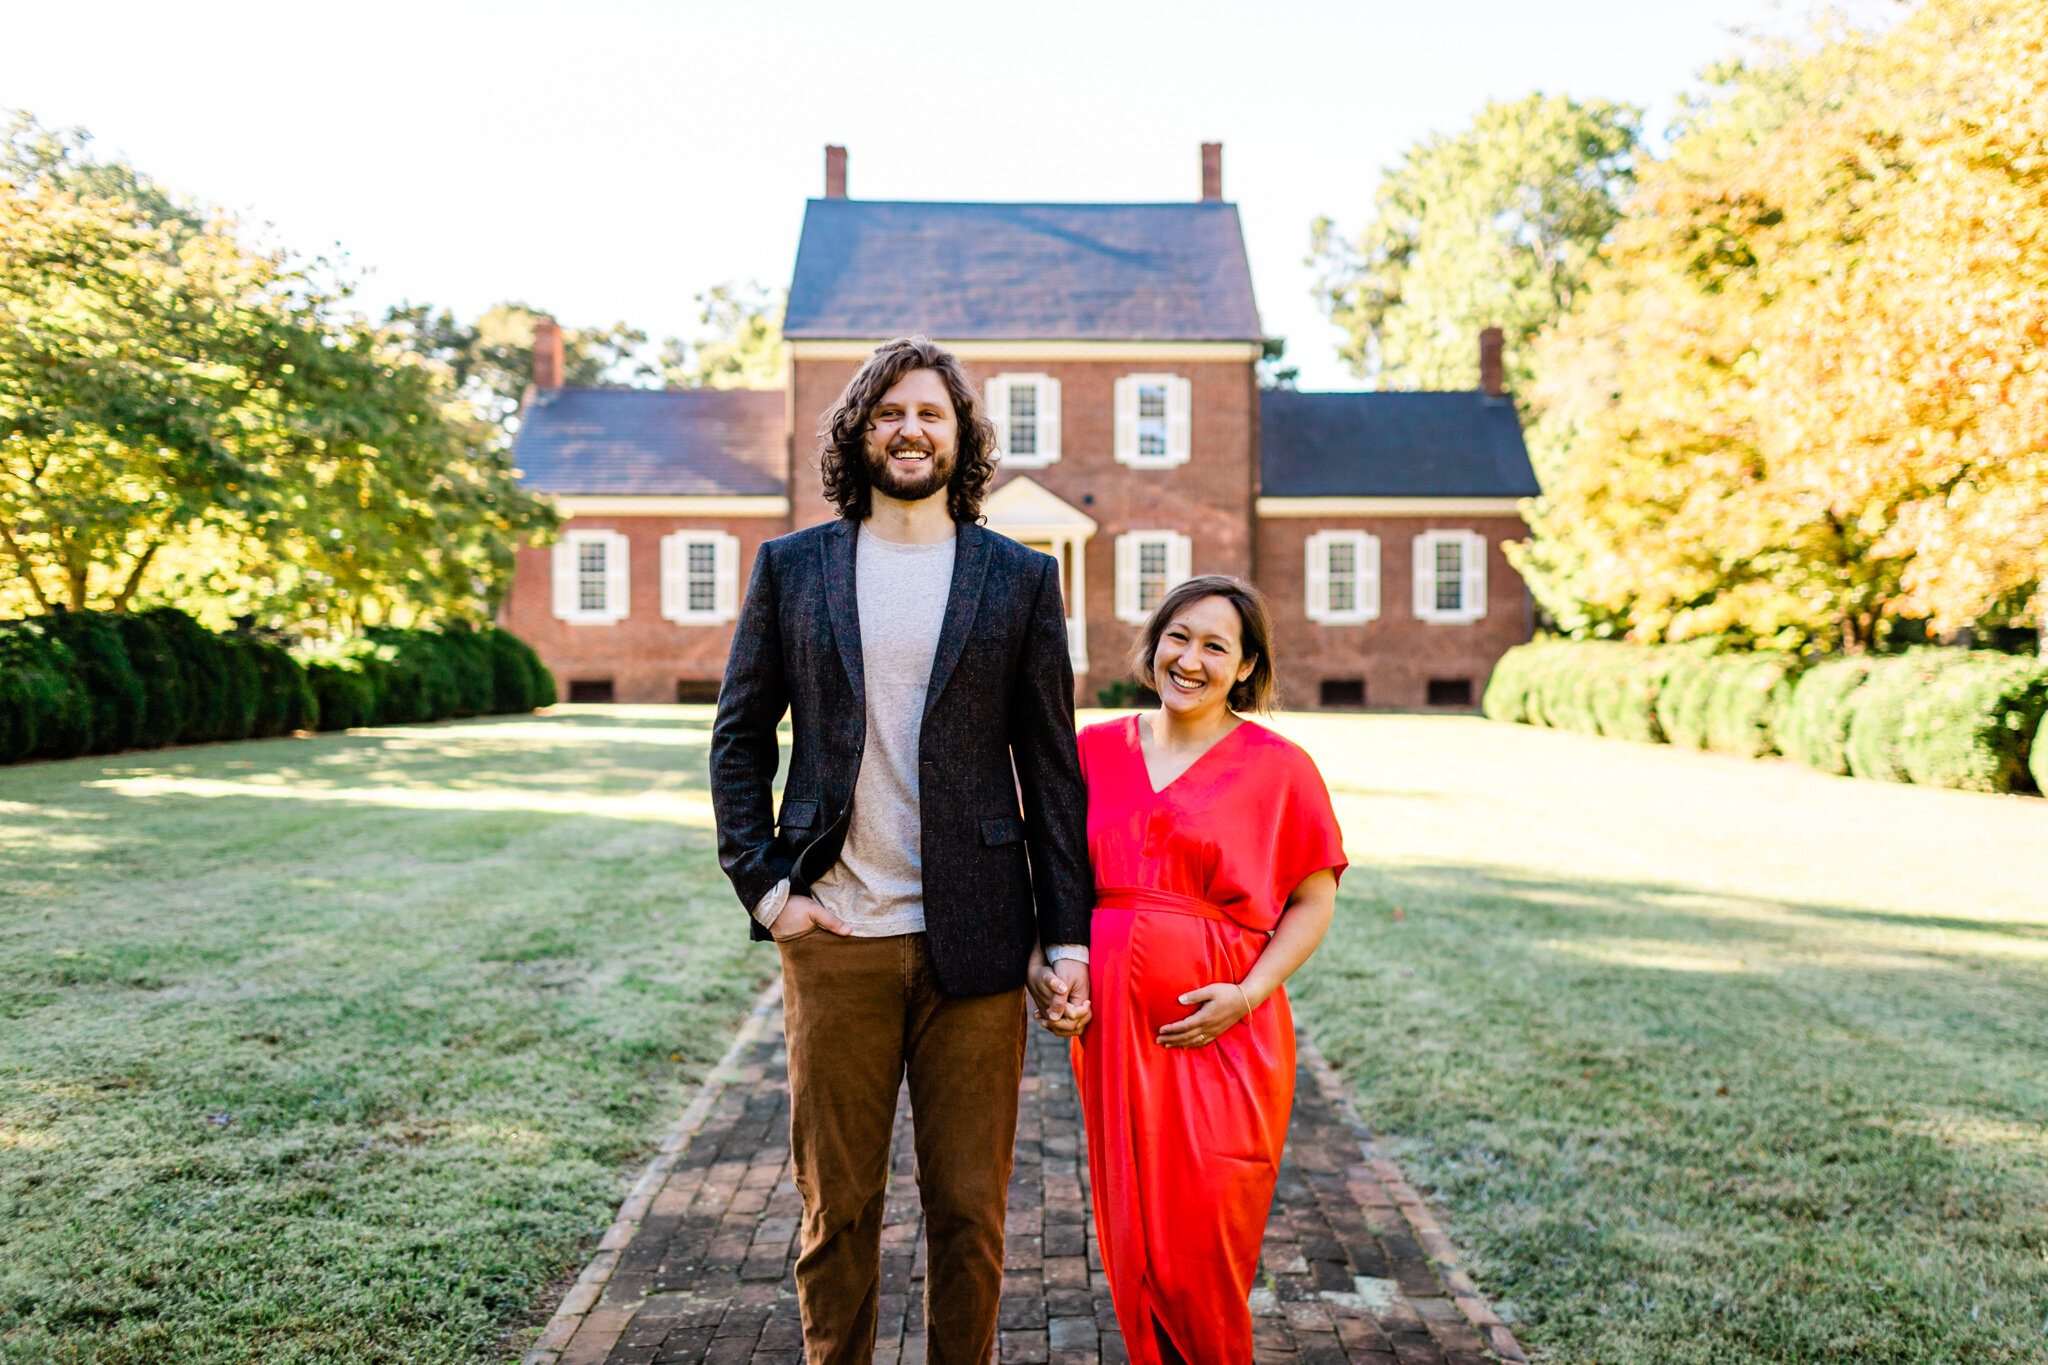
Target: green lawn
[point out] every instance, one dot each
(1707, 1060)
(340, 1049)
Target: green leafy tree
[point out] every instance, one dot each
(743, 349)
(184, 418)
(1495, 227)
(491, 359)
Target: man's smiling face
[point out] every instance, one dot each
(913, 438)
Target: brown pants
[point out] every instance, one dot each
(860, 1014)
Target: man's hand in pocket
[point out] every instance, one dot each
(800, 915)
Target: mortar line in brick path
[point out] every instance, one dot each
(699, 1269)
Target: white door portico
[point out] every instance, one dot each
(1026, 511)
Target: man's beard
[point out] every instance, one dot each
(938, 472)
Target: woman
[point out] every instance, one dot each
(1216, 857)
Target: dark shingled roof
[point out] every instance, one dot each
(1022, 272)
(652, 442)
(1391, 445)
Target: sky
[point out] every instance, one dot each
(609, 160)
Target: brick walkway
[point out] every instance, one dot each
(698, 1267)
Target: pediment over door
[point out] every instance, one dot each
(1027, 511)
(1024, 509)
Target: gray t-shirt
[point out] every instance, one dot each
(877, 886)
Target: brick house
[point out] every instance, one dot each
(1117, 346)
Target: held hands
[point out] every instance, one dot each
(800, 915)
(1220, 1005)
(1059, 994)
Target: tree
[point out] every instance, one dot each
(1803, 400)
(744, 349)
(1494, 227)
(181, 413)
(491, 359)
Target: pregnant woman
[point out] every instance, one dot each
(1216, 857)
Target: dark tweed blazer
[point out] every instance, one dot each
(998, 726)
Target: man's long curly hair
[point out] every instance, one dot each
(843, 435)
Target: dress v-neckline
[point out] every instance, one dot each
(1137, 737)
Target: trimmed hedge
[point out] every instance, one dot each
(1937, 717)
(402, 677)
(1951, 719)
(97, 682)
(1823, 707)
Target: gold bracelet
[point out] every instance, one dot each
(1244, 996)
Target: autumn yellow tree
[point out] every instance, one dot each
(1804, 396)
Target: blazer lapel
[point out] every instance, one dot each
(843, 601)
(970, 560)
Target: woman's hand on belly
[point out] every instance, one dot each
(1219, 1007)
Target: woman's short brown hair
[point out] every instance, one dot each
(843, 434)
(1254, 634)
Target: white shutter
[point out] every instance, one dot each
(1127, 578)
(1425, 578)
(1475, 576)
(1318, 576)
(618, 588)
(1180, 558)
(565, 579)
(1048, 419)
(1369, 578)
(675, 589)
(1180, 419)
(728, 597)
(999, 411)
(1125, 446)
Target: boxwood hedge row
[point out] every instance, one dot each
(399, 677)
(1938, 717)
(98, 682)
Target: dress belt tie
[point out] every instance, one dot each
(1172, 902)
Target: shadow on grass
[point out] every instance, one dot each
(342, 1080)
(1678, 1126)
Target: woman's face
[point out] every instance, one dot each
(1199, 658)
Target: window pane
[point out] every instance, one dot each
(1024, 419)
(590, 575)
(1152, 420)
(1152, 556)
(1450, 575)
(700, 575)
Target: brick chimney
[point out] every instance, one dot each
(835, 172)
(1212, 172)
(1493, 379)
(547, 354)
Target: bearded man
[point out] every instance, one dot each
(932, 835)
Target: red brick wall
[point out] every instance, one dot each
(1396, 655)
(646, 654)
(1208, 499)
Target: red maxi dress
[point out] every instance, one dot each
(1184, 1144)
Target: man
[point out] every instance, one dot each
(932, 834)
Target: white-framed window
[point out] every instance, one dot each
(700, 577)
(1148, 566)
(593, 581)
(1026, 411)
(1154, 419)
(1343, 577)
(1450, 577)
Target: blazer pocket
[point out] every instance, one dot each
(1003, 829)
(799, 814)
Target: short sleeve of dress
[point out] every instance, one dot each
(1310, 837)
